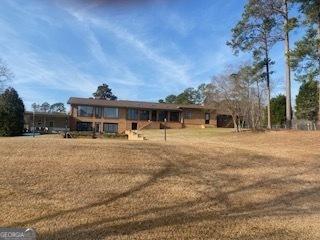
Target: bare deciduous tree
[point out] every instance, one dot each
(5, 75)
(229, 91)
(242, 94)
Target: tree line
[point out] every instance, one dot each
(46, 107)
(188, 96)
(245, 90)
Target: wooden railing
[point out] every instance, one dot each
(146, 125)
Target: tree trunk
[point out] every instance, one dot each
(319, 66)
(287, 66)
(241, 124)
(234, 118)
(268, 88)
(253, 119)
(259, 106)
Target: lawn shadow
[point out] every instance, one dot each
(154, 177)
(217, 190)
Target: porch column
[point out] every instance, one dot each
(168, 116)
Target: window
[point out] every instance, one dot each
(132, 114)
(98, 112)
(85, 111)
(111, 112)
(84, 126)
(50, 124)
(144, 115)
(174, 116)
(187, 115)
(110, 127)
(207, 118)
(163, 115)
(154, 115)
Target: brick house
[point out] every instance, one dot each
(116, 116)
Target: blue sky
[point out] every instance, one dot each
(57, 49)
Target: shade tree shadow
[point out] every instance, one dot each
(212, 193)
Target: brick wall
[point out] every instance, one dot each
(197, 120)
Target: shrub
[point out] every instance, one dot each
(11, 113)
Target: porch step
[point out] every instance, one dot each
(134, 135)
(207, 126)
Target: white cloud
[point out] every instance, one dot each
(120, 73)
(139, 56)
(56, 71)
(171, 69)
(33, 71)
(177, 23)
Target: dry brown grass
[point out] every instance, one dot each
(201, 184)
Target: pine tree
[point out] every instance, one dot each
(307, 105)
(171, 98)
(186, 97)
(11, 113)
(306, 55)
(58, 107)
(280, 8)
(104, 92)
(257, 32)
(278, 110)
(307, 52)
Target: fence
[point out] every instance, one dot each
(305, 125)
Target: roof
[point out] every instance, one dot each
(133, 104)
(51, 114)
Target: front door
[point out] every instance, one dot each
(134, 126)
(207, 118)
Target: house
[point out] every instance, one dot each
(116, 116)
(45, 121)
